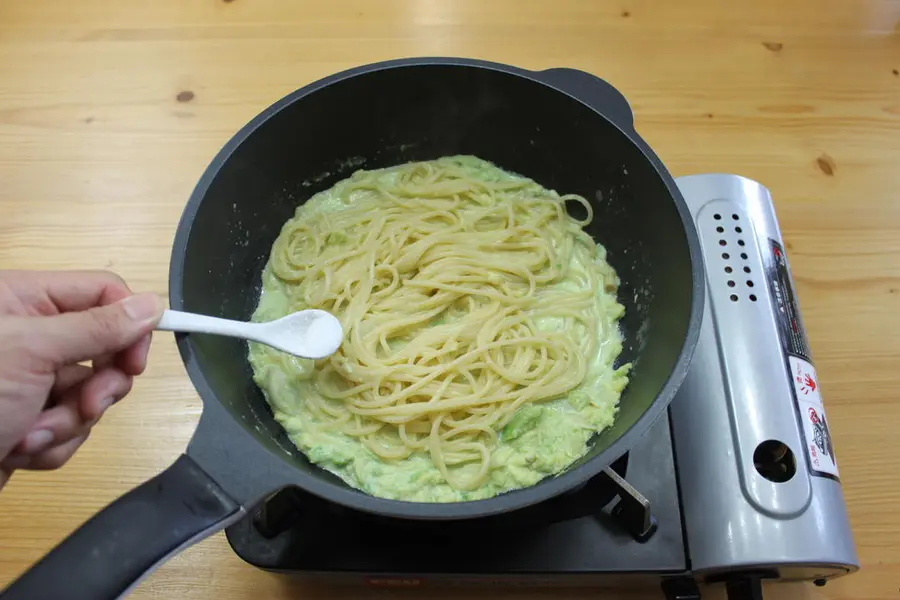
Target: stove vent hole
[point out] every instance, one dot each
(746, 269)
(775, 461)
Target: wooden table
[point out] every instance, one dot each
(111, 109)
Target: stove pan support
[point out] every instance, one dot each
(277, 513)
(680, 588)
(632, 510)
(744, 588)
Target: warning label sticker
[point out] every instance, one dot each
(807, 395)
(793, 335)
(812, 414)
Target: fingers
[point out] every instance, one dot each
(101, 391)
(52, 458)
(78, 410)
(56, 425)
(103, 362)
(71, 290)
(61, 319)
(77, 336)
(68, 377)
(133, 360)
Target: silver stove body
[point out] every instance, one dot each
(759, 483)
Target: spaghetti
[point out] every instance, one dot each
(466, 294)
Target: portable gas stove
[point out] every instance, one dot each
(739, 484)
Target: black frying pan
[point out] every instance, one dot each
(566, 129)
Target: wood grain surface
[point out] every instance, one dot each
(111, 109)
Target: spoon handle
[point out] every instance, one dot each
(175, 320)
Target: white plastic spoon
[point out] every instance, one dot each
(308, 333)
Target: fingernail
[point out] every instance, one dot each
(37, 441)
(142, 307)
(106, 403)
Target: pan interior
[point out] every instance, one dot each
(391, 116)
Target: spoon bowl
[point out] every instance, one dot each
(310, 333)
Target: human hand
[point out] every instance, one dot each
(50, 322)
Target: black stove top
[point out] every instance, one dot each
(602, 531)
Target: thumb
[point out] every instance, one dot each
(76, 336)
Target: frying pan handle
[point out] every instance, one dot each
(115, 549)
(594, 91)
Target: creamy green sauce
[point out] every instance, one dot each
(539, 441)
